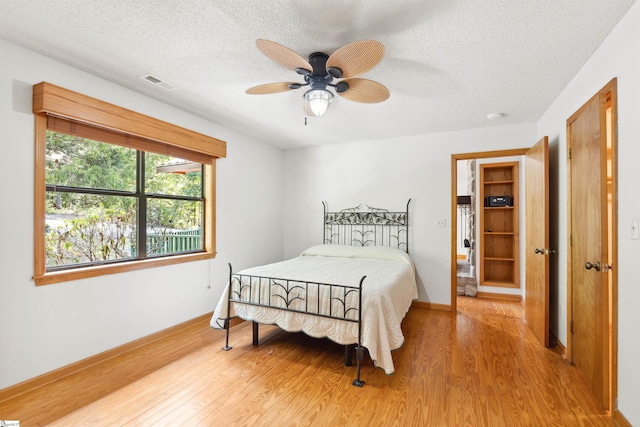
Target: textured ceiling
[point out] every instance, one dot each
(447, 63)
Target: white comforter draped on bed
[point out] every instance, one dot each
(388, 290)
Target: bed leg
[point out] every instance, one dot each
(227, 326)
(359, 356)
(227, 322)
(255, 333)
(359, 349)
(348, 355)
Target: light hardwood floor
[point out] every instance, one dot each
(481, 368)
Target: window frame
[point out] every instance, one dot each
(50, 100)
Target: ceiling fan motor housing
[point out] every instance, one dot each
(320, 77)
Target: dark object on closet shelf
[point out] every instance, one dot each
(494, 201)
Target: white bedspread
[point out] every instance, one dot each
(388, 290)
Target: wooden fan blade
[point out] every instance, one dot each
(363, 90)
(357, 57)
(283, 55)
(270, 88)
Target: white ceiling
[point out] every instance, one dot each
(447, 64)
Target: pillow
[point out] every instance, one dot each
(347, 251)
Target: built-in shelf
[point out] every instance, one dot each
(499, 233)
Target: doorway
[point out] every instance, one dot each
(592, 249)
(456, 161)
(499, 230)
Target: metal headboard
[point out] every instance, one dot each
(367, 227)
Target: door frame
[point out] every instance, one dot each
(609, 88)
(454, 207)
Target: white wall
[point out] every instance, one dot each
(616, 57)
(44, 328)
(386, 174)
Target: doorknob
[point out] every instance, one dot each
(539, 251)
(589, 266)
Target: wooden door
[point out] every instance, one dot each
(588, 246)
(537, 240)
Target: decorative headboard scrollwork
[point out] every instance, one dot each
(368, 226)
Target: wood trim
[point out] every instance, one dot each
(39, 195)
(497, 284)
(557, 346)
(494, 295)
(606, 332)
(431, 306)
(613, 91)
(209, 180)
(620, 419)
(101, 270)
(52, 99)
(453, 220)
(64, 371)
(569, 351)
(489, 154)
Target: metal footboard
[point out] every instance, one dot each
(339, 302)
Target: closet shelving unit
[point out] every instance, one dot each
(499, 235)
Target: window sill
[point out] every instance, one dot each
(102, 270)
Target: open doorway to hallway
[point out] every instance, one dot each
(466, 280)
(485, 244)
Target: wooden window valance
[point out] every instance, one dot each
(74, 110)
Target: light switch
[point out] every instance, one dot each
(635, 233)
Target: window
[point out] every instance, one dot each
(106, 203)
(116, 190)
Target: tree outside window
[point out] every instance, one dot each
(107, 203)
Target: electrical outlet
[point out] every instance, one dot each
(441, 223)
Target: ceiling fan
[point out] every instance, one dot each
(320, 71)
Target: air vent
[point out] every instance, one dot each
(157, 82)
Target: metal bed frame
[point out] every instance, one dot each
(352, 226)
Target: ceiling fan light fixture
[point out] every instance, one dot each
(320, 70)
(317, 101)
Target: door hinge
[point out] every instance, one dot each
(570, 240)
(569, 153)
